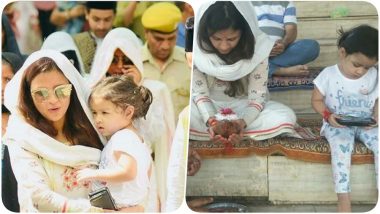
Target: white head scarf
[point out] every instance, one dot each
(32, 139)
(62, 41)
(212, 65)
(118, 38)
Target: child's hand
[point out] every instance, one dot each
(375, 117)
(373, 125)
(86, 174)
(332, 121)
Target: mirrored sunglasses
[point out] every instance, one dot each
(61, 91)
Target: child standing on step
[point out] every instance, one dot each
(349, 88)
(125, 165)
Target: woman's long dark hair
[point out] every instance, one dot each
(221, 16)
(77, 128)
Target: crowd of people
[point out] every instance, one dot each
(98, 95)
(71, 126)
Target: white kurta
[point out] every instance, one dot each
(265, 119)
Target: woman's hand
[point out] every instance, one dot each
(131, 70)
(217, 133)
(238, 126)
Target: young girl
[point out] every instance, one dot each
(349, 88)
(125, 164)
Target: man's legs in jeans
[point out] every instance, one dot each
(292, 61)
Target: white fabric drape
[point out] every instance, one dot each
(118, 38)
(212, 65)
(62, 41)
(11, 95)
(159, 126)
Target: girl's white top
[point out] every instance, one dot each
(344, 96)
(134, 192)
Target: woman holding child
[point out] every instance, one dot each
(50, 135)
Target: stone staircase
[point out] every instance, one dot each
(277, 177)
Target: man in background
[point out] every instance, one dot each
(100, 16)
(288, 56)
(162, 59)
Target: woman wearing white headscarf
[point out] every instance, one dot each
(64, 43)
(229, 94)
(120, 54)
(50, 134)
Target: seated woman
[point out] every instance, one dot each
(120, 54)
(229, 99)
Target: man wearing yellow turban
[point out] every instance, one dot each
(163, 60)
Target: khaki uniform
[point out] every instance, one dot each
(176, 74)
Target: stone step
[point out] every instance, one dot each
(281, 180)
(326, 28)
(328, 55)
(292, 181)
(329, 8)
(245, 176)
(316, 21)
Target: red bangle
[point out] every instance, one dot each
(326, 115)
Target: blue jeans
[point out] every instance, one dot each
(297, 53)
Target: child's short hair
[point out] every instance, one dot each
(122, 91)
(362, 39)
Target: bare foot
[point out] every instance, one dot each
(198, 205)
(293, 71)
(344, 202)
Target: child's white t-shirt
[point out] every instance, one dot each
(344, 96)
(133, 192)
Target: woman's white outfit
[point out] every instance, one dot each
(62, 41)
(44, 167)
(177, 168)
(212, 76)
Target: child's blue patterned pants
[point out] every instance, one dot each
(341, 142)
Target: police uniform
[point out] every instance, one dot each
(164, 17)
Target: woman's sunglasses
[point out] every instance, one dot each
(61, 91)
(124, 59)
